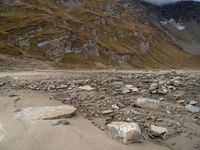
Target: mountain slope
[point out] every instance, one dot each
(86, 33)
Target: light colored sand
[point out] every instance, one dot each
(40, 135)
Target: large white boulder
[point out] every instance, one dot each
(124, 132)
(2, 133)
(45, 113)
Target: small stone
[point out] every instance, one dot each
(61, 87)
(115, 106)
(51, 87)
(86, 88)
(60, 122)
(162, 99)
(162, 91)
(2, 132)
(192, 109)
(181, 101)
(147, 103)
(107, 112)
(154, 92)
(120, 105)
(132, 89)
(173, 143)
(158, 131)
(124, 132)
(154, 86)
(2, 84)
(125, 91)
(193, 102)
(196, 146)
(128, 119)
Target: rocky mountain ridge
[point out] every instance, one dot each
(88, 33)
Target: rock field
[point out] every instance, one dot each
(163, 105)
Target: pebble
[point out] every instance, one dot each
(107, 112)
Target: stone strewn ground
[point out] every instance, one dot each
(168, 101)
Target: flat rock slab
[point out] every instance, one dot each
(2, 133)
(46, 113)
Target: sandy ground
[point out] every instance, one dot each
(40, 135)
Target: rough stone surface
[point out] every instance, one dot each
(125, 132)
(45, 113)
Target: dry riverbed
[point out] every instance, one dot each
(165, 101)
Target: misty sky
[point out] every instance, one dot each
(163, 2)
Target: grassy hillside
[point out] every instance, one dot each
(84, 34)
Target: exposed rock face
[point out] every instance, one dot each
(45, 113)
(180, 21)
(125, 132)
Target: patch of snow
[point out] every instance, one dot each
(173, 23)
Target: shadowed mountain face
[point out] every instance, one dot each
(182, 20)
(91, 33)
(183, 11)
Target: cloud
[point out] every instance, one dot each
(164, 2)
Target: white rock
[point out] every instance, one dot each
(107, 112)
(193, 102)
(158, 131)
(129, 88)
(115, 106)
(125, 91)
(86, 88)
(47, 112)
(181, 101)
(154, 86)
(147, 103)
(2, 132)
(124, 132)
